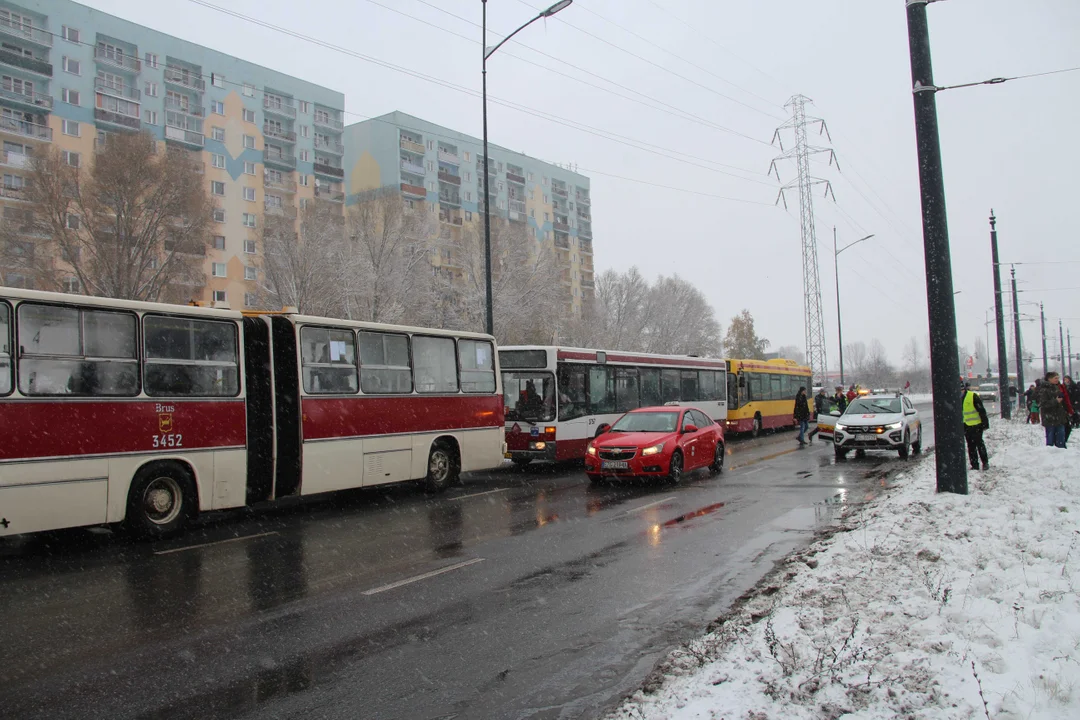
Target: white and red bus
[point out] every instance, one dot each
(147, 414)
(556, 398)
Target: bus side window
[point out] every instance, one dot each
(329, 360)
(384, 363)
(650, 387)
(689, 391)
(5, 349)
(187, 357)
(626, 389)
(477, 366)
(669, 385)
(707, 385)
(434, 364)
(601, 390)
(573, 399)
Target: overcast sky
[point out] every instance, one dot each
(732, 66)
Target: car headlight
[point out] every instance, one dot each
(652, 450)
(894, 426)
(590, 450)
(838, 426)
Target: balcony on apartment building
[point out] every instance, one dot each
(560, 192)
(25, 129)
(14, 160)
(12, 192)
(117, 58)
(449, 178)
(278, 133)
(25, 62)
(329, 195)
(279, 106)
(280, 210)
(583, 214)
(26, 32)
(562, 241)
(118, 120)
(582, 199)
(412, 146)
(30, 100)
(185, 78)
(330, 146)
(411, 168)
(185, 108)
(584, 246)
(323, 168)
(449, 156)
(560, 225)
(447, 198)
(480, 167)
(324, 120)
(451, 217)
(279, 159)
(124, 92)
(587, 282)
(515, 178)
(183, 128)
(270, 182)
(414, 191)
(584, 231)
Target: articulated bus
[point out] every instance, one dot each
(761, 394)
(144, 413)
(556, 398)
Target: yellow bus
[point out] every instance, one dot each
(761, 394)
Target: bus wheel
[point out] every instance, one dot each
(160, 502)
(521, 461)
(717, 466)
(442, 468)
(756, 430)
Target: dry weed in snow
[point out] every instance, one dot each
(919, 606)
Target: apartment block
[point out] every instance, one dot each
(269, 143)
(441, 171)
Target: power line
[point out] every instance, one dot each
(1000, 80)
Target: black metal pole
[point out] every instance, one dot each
(1061, 339)
(839, 325)
(490, 324)
(1069, 335)
(950, 456)
(1016, 326)
(1042, 319)
(999, 316)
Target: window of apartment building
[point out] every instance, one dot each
(545, 217)
(218, 134)
(249, 90)
(151, 59)
(217, 161)
(72, 66)
(305, 106)
(249, 167)
(250, 273)
(250, 300)
(249, 247)
(249, 194)
(217, 188)
(217, 80)
(305, 156)
(249, 116)
(500, 186)
(545, 201)
(70, 127)
(217, 107)
(71, 97)
(70, 285)
(219, 242)
(219, 215)
(249, 220)
(70, 34)
(466, 156)
(468, 176)
(468, 195)
(150, 89)
(73, 222)
(544, 182)
(304, 131)
(220, 296)
(530, 177)
(150, 116)
(67, 255)
(303, 203)
(249, 142)
(532, 213)
(468, 215)
(430, 165)
(304, 179)
(218, 270)
(71, 158)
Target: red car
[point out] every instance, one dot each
(656, 442)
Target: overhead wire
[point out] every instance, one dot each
(1000, 80)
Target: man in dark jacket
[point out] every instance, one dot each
(821, 403)
(1073, 390)
(1053, 408)
(802, 414)
(975, 423)
(840, 399)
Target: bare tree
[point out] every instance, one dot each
(912, 358)
(680, 320)
(791, 352)
(132, 223)
(742, 340)
(309, 271)
(855, 354)
(622, 309)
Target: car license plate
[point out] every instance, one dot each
(507, 455)
(614, 465)
(866, 438)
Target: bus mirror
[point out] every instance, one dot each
(742, 381)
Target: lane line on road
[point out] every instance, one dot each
(216, 542)
(425, 576)
(751, 472)
(486, 492)
(649, 505)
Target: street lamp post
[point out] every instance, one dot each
(836, 274)
(488, 52)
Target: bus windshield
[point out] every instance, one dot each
(529, 396)
(647, 422)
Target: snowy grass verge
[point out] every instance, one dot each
(918, 605)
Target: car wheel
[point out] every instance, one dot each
(442, 468)
(903, 450)
(160, 501)
(717, 466)
(675, 468)
(840, 452)
(916, 447)
(756, 430)
(521, 462)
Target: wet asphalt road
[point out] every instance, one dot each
(519, 594)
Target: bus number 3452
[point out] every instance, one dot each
(169, 440)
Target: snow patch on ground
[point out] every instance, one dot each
(920, 398)
(919, 605)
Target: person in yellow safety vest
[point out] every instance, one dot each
(975, 422)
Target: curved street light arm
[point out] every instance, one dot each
(854, 243)
(488, 52)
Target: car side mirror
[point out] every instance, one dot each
(602, 429)
(835, 413)
(690, 429)
(909, 412)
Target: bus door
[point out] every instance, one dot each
(286, 384)
(259, 375)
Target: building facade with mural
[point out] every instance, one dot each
(269, 143)
(442, 170)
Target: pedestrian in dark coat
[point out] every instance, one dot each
(1054, 410)
(840, 399)
(1074, 398)
(821, 403)
(975, 423)
(802, 414)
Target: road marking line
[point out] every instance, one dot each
(751, 472)
(649, 505)
(486, 492)
(216, 542)
(425, 576)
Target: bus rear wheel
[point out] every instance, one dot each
(161, 500)
(443, 468)
(521, 461)
(756, 429)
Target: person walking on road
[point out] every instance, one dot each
(852, 394)
(1073, 391)
(802, 414)
(975, 423)
(840, 399)
(1054, 410)
(1033, 402)
(821, 403)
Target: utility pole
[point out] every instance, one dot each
(1016, 324)
(839, 325)
(1069, 335)
(999, 316)
(950, 458)
(1042, 318)
(1061, 339)
(814, 316)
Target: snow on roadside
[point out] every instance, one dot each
(920, 398)
(919, 606)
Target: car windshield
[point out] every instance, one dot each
(988, 388)
(529, 396)
(647, 422)
(874, 406)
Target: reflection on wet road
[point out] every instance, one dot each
(522, 593)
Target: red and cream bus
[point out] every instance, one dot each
(556, 398)
(144, 413)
